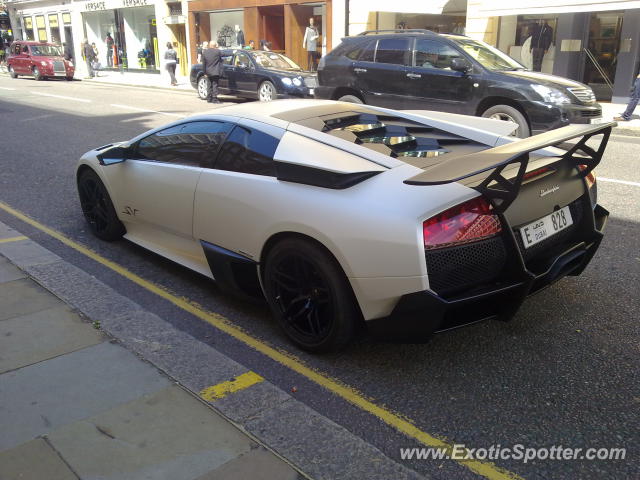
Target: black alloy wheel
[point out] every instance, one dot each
(310, 296)
(97, 207)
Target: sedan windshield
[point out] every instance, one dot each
(488, 56)
(274, 60)
(46, 51)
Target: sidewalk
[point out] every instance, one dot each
(153, 80)
(75, 404)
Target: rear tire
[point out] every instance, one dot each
(12, 72)
(37, 76)
(97, 207)
(350, 99)
(508, 113)
(203, 87)
(310, 296)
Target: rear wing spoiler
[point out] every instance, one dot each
(488, 165)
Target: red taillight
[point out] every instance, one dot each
(590, 178)
(468, 222)
(536, 173)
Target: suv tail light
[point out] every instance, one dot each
(467, 222)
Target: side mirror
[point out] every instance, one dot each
(115, 155)
(460, 65)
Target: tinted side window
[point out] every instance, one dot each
(242, 59)
(433, 54)
(392, 50)
(193, 144)
(368, 52)
(248, 151)
(360, 47)
(226, 59)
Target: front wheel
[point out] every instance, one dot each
(203, 87)
(350, 99)
(12, 72)
(266, 91)
(511, 114)
(97, 207)
(37, 75)
(310, 296)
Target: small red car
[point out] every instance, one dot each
(38, 59)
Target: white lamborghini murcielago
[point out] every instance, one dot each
(411, 221)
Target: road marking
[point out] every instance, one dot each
(83, 100)
(13, 239)
(623, 182)
(221, 390)
(484, 468)
(6, 88)
(146, 111)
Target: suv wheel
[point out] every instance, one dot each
(37, 76)
(12, 72)
(350, 99)
(510, 114)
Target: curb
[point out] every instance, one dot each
(302, 437)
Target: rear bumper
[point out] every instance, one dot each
(417, 315)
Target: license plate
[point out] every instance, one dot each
(596, 120)
(546, 227)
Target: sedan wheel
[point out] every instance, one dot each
(97, 207)
(266, 91)
(310, 296)
(12, 72)
(36, 74)
(203, 87)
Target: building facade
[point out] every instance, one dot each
(129, 35)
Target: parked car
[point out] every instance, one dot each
(420, 69)
(39, 60)
(257, 74)
(337, 213)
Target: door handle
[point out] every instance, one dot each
(360, 70)
(414, 75)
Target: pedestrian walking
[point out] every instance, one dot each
(89, 56)
(633, 102)
(171, 60)
(212, 65)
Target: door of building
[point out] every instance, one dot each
(601, 52)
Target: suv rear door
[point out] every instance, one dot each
(433, 85)
(381, 72)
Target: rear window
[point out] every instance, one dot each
(393, 51)
(355, 52)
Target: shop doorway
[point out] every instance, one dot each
(271, 19)
(601, 53)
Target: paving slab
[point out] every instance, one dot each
(34, 460)
(8, 272)
(257, 464)
(42, 397)
(24, 296)
(32, 338)
(27, 253)
(167, 435)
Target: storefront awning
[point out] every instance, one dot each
(509, 7)
(435, 7)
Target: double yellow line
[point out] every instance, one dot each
(485, 469)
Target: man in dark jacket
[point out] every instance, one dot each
(89, 56)
(212, 66)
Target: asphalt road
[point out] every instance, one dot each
(564, 371)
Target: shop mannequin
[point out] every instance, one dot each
(310, 42)
(541, 38)
(239, 36)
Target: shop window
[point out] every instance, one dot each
(227, 28)
(393, 51)
(248, 151)
(54, 28)
(28, 28)
(433, 54)
(66, 18)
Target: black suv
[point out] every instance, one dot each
(422, 70)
